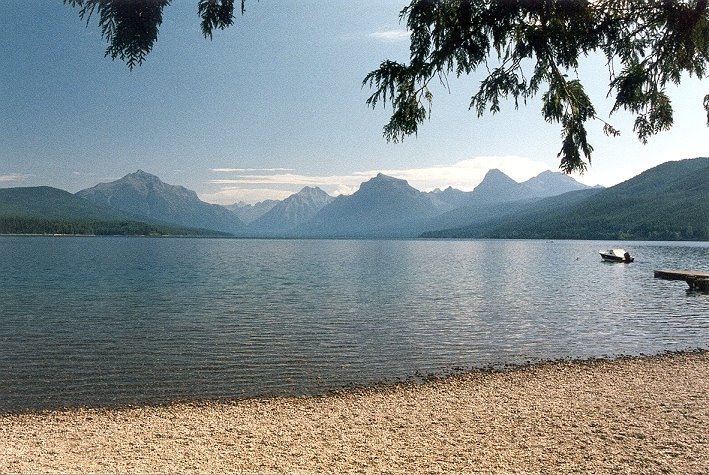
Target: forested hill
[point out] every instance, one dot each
(668, 202)
(47, 210)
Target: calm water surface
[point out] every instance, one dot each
(106, 321)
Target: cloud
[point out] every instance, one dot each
(289, 179)
(390, 36)
(231, 195)
(464, 175)
(13, 177)
(257, 184)
(344, 190)
(250, 170)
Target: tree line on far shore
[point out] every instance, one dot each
(42, 226)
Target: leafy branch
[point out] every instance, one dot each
(130, 27)
(655, 42)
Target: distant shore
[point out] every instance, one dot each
(635, 415)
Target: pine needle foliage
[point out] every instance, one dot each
(130, 27)
(525, 46)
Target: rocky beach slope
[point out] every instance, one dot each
(634, 415)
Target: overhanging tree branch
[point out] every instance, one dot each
(655, 42)
(130, 27)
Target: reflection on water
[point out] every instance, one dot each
(121, 320)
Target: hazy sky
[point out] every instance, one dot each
(273, 104)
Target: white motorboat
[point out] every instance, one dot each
(616, 255)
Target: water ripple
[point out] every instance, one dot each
(87, 321)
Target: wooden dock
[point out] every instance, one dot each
(696, 279)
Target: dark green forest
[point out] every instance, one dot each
(47, 210)
(35, 225)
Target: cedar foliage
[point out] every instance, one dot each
(525, 46)
(130, 27)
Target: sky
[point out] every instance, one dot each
(275, 103)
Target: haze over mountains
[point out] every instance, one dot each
(146, 196)
(248, 212)
(286, 216)
(666, 202)
(47, 210)
(383, 206)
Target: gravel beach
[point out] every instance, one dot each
(628, 415)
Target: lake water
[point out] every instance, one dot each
(112, 321)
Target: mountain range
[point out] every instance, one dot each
(666, 202)
(284, 217)
(382, 207)
(47, 210)
(146, 196)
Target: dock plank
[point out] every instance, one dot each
(696, 279)
(677, 274)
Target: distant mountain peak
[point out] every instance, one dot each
(550, 183)
(311, 194)
(311, 191)
(494, 177)
(382, 177)
(383, 205)
(145, 195)
(382, 181)
(495, 172)
(147, 184)
(291, 212)
(142, 175)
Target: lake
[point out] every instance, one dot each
(116, 320)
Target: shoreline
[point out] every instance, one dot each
(636, 414)
(399, 383)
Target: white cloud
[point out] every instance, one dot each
(289, 179)
(250, 170)
(344, 190)
(14, 177)
(390, 36)
(253, 188)
(464, 175)
(230, 195)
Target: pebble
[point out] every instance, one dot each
(629, 415)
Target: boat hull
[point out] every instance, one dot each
(610, 258)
